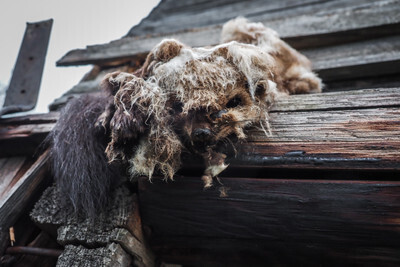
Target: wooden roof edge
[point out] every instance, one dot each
(300, 31)
(358, 125)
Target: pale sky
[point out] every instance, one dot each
(77, 23)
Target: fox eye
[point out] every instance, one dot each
(234, 102)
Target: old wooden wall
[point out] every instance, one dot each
(323, 188)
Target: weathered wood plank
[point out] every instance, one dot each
(344, 129)
(362, 59)
(355, 139)
(170, 16)
(119, 223)
(354, 99)
(24, 86)
(22, 135)
(292, 219)
(13, 203)
(110, 256)
(349, 125)
(9, 167)
(294, 29)
(195, 251)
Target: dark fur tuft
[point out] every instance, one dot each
(79, 164)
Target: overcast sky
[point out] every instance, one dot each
(77, 23)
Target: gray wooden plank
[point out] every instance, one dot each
(316, 25)
(172, 16)
(361, 59)
(354, 99)
(380, 124)
(24, 86)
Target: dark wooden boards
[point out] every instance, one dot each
(24, 86)
(22, 135)
(14, 199)
(320, 28)
(282, 221)
(20, 193)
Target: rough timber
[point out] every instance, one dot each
(322, 189)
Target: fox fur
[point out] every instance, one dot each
(182, 99)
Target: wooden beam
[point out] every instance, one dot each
(349, 100)
(353, 129)
(14, 201)
(337, 26)
(362, 59)
(22, 135)
(170, 17)
(9, 167)
(314, 221)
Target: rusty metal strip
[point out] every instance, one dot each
(24, 87)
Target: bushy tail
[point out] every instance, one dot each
(80, 167)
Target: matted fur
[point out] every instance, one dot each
(192, 99)
(78, 162)
(204, 80)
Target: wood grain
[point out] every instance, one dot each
(16, 199)
(9, 168)
(170, 17)
(349, 100)
(321, 26)
(340, 129)
(22, 135)
(294, 218)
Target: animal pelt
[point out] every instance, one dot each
(182, 99)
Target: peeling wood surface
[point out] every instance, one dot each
(318, 27)
(297, 221)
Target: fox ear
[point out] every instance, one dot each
(163, 52)
(128, 122)
(167, 50)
